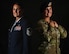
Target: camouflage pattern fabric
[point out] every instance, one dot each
(52, 37)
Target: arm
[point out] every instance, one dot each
(25, 38)
(63, 32)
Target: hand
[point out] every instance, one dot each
(56, 25)
(53, 24)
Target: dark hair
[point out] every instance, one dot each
(20, 4)
(44, 5)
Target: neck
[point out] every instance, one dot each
(17, 18)
(47, 19)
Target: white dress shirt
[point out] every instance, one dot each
(14, 24)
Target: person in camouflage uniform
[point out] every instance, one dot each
(52, 32)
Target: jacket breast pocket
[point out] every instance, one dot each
(17, 28)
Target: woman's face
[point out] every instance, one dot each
(16, 10)
(48, 11)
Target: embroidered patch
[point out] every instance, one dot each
(29, 32)
(17, 28)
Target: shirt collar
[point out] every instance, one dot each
(18, 19)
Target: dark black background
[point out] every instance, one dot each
(32, 13)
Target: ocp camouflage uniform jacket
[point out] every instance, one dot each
(52, 37)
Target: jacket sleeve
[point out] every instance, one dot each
(63, 32)
(25, 38)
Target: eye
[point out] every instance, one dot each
(47, 10)
(13, 9)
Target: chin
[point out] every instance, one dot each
(50, 15)
(15, 15)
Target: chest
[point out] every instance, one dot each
(50, 32)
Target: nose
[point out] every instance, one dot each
(48, 11)
(16, 10)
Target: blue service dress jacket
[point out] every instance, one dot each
(18, 38)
